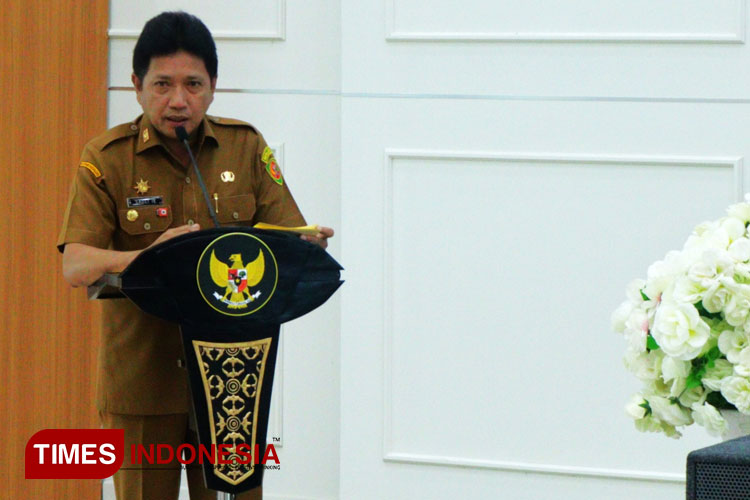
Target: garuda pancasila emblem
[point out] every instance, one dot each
(237, 279)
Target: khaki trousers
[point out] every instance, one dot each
(159, 481)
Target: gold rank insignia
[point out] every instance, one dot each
(132, 215)
(146, 137)
(141, 187)
(91, 168)
(227, 176)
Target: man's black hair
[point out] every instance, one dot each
(170, 32)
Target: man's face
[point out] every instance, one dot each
(176, 91)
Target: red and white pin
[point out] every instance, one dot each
(162, 212)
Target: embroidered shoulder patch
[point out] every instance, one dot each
(91, 168)
(274, 171)
(271, 166)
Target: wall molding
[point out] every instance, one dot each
(733, 37)
(390, 453)
(277, 34)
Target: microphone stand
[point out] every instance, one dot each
(183, 136)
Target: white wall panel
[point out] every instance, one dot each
(262, 44)
(488, 316)
(666, 49)
(582, 20)
(254, 19)
(501, 235)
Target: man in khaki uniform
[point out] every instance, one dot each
(135, 188)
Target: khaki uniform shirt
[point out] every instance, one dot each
(138, 354)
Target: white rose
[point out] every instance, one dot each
(714, 375)
(637, 340)
(734, 227)
(661, 274)
(742, 368)
(645, 366)
(620, 315)
(736, 309)
(648, 424)
(709, 417)
(679, 330)
(689, 289)
(674, 368)
(736, 390)
(739, 250)
(670, 431)
(732, 342)
(742, 269)
(707, 235)
(634, 408)
(633, 290)
(702, 272)
(716, 298)
(636, 329)
(740, 211)
(719, 261)
(678, 388)
(671, 413)
(655, 386)
(692, 396)
(675, 371)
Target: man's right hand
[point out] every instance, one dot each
(84, 264)
(175, 231)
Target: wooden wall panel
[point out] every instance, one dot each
(53, 71)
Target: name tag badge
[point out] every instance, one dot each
(145, 201)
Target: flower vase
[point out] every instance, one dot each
(738, 424)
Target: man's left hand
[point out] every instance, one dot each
(321, 238)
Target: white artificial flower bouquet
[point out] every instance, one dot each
(687, 327)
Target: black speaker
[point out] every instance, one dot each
(720, 472)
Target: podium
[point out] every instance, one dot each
(229, 289)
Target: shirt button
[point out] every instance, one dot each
(147, 226)
(187, 180)
(235, 216)
(190, 222)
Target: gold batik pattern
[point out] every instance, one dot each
(232, 376)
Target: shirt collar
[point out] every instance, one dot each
(149, 138)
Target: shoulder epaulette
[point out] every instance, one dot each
(231, 122)
(119, 132)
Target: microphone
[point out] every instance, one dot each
(183, 136)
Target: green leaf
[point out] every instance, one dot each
(713, 355)
(646, 407)
(702, 311)
(651, 344)
(694, 379)
(644, 296)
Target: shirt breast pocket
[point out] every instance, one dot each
(236, 210)
(145, 220)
